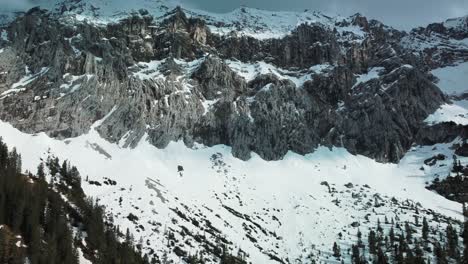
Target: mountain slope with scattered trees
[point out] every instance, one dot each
(49, 222)
(131, 94)
(46, 218)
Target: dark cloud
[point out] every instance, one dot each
(398, 13)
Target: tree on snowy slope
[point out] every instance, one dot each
(452, 243)
(465, 241)
(413, 245)
(35, 220)
(50, 218)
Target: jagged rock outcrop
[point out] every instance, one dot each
(171, 78)
(441, 133)
(217, 80)
(440, 44)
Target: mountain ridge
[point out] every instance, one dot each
(179, 37)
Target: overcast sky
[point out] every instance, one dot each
(398, 13)
(7, 5)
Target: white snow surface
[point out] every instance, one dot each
(457, 23)
(285, 197)
(373, 73)
(417, 154)
(263, 24)
(148, 70)
(30, 77)
(81, 258)
(208, 104)
(3, 35)
(72, 83)
(152, 70)
(456, 112)
(420, 42)
(453, 80)
(23, 82)
(249, 71)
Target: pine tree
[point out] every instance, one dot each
(409, 233)
(336, 250)
(355, 255)
(391, 234)
(452, 242)
(425, 229)
(381, 258)
(359, 236)
(64, 169)
(40, 171)
(440, 254)
(128, 238)
(455, 164)
(399, 258)
(418, 254)
(3, 247)
(465, 242)
(379, 227)
(372, 242)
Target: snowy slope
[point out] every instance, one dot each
(452, 80)
(249, 71)
(458, 24)
(433, 41)
(443, 43)
(292, 209)
(99, 11)
(282, 208)
(456, 112)
(264, 24)
(441, 169)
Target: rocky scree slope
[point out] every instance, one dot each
(352, 82)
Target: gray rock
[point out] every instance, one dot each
(92, 71)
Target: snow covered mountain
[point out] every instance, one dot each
(187, 82)
(275, 134)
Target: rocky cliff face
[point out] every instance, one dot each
(440, 44)
(352, 82)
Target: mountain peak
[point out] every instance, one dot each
(458, 22)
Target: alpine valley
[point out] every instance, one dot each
(246, 137)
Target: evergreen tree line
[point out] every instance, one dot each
(453, 187)
(55, 218)
(102, 235)
(51, 229)
(403, 247)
